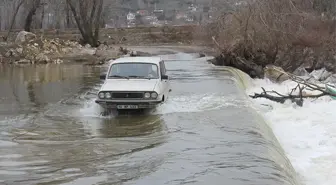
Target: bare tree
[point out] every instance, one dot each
(51, 14)
(33, 6)
(88, 17)
(13, 18)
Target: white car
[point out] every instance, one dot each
(134, 83)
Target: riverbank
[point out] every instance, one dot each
(35, 49)
(44, 51)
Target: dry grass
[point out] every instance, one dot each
(287, 33)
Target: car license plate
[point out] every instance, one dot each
(127, 106)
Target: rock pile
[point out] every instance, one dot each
(30, 49)
(24, 36)
(278, 75)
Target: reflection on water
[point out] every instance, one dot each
(130, 126)
(42, 84)
(43, 73)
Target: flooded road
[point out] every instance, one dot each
(52, 132)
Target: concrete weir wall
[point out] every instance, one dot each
(275, 153)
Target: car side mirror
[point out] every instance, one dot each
(164, 77)
(102, 76)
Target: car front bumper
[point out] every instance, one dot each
(141, 104)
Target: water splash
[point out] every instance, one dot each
(176, 104)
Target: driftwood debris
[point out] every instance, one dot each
(302, 84)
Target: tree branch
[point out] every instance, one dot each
(298, 99)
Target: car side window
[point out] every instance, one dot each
(164, 67)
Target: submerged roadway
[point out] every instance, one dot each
(52, 132)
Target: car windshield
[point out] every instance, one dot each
(134, 70)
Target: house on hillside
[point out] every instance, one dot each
(130, 16)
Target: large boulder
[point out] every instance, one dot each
(321, 74)
(301, 71)
(275, 74)
(24, 36)
(331, 79)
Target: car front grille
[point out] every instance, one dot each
(127, 95)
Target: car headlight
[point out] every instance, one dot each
(154, 95)
(108, 95)
(147, 95)
(101, 95)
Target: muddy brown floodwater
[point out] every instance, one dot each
(52, 132)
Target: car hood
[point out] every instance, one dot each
(129, 85)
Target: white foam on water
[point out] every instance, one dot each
(307, 134)
(176, 104)
(197, 103)
(91, 109)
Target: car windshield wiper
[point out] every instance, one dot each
(118, 76)
(145, 77)
(133, 76)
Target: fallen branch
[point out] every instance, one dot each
(298, 99)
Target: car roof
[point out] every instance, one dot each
(154, 60)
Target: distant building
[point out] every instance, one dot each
(130, 16)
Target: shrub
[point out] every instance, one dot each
(287, 33)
